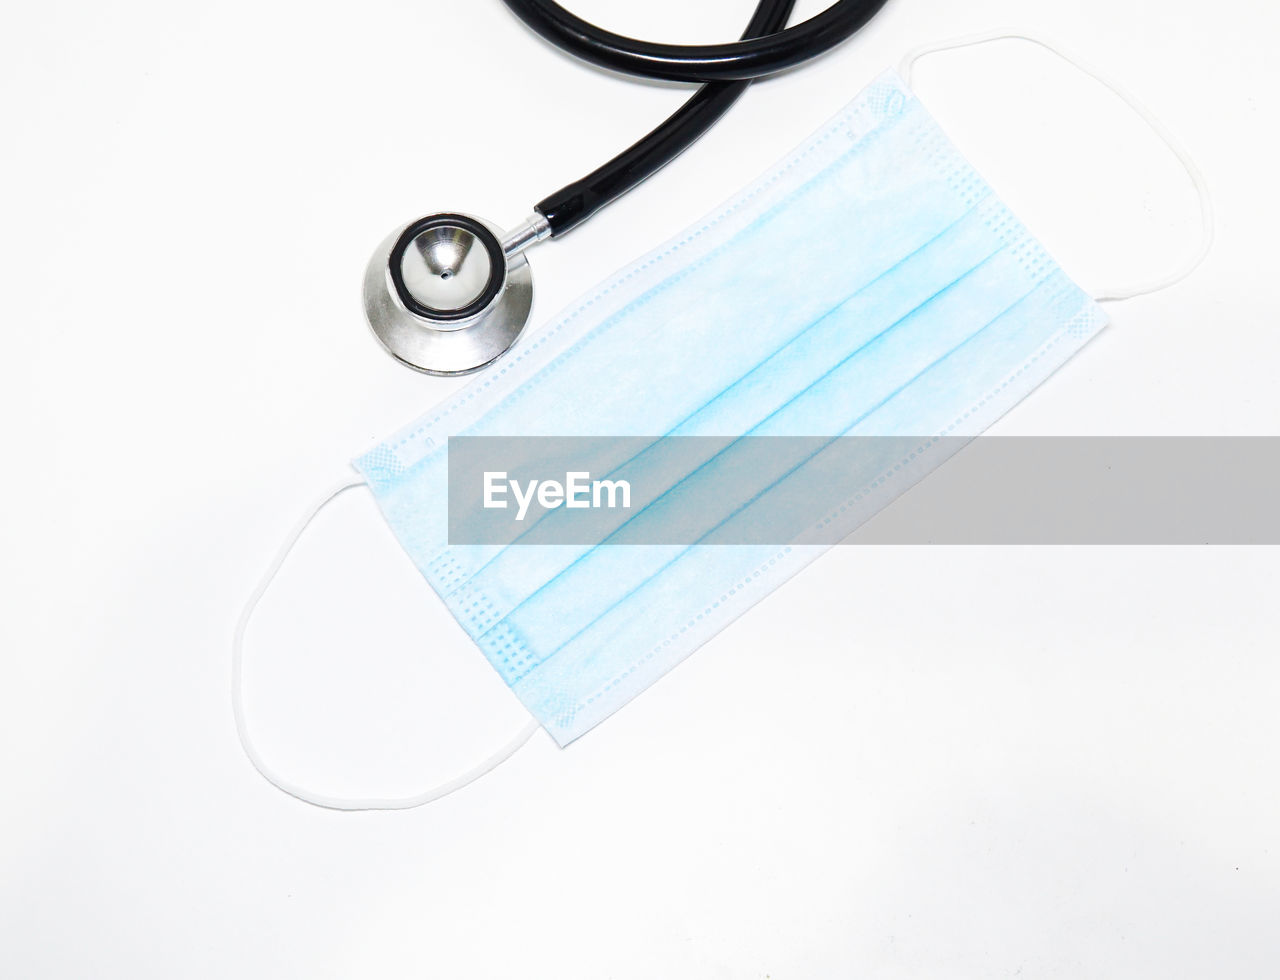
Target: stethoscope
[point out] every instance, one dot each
(450, 293)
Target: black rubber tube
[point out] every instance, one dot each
(727, 70)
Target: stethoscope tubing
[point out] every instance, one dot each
(759, 53)
(768, 46)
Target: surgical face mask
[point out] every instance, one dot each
(870, 284)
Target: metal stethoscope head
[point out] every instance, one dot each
(449, 294)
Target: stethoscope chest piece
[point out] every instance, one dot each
(445, 295)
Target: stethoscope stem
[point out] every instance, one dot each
(532, 230)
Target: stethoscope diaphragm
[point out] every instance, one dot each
(448, 294)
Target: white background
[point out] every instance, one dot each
(912, 762)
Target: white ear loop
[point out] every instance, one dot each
(242, 728)
(1119, 293)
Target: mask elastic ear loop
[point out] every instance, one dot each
(1114, 294)
(242, 728)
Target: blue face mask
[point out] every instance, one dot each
(870, 284)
